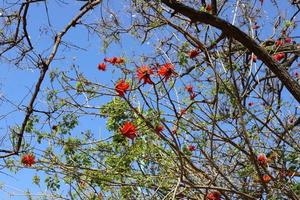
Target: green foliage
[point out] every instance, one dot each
(31, 123)
(52, 182)
(71, 145)
(36, 180)
(296, 188)
(116, 111)
(69, 122)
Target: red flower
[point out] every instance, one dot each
(279, 43)
(182, 112)
(144, 73)
(288, 40)
(214, 195)
(192, 96)
(159, 129)
(114, 60)
(120, 61)
(110, 60)
(121, 87)
(266, 178)
(167, 70)
(279, 56)
(191, 148)
(208, 7)
(262, 159)
(28, 160)
(193, 53)
(250, 104)
(129, 130)
(102, 66)
(189, 88)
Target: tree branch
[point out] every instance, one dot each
(232, 31)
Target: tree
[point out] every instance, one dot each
(207, 107)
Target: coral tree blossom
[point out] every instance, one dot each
(121, 87)
(114, 60)
(129, 130)
(167, 70)
(28, 160)
(144, 73)
(159, 129)
(266, 178)
(191, 148)
(208, 7)
(189, 88)
(102, 66)
(192, 96)
(279, 56)
(193, 53)
(279, 43)
(288, 40)
(214, 195)
(262, 159)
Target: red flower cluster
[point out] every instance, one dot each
(121, 87)
(266, 178)
(159, 129)
(279, 43)
(129, 130)
(288, 40)
(279, 56)
(208, 7)
(189, 88)
(144, 73)
(102, 66)
(115, 60)
(193, 53)
(182, 111)
(262, 159)
(167, 70)
(28, 160)
(191, 148)
(214, 195)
